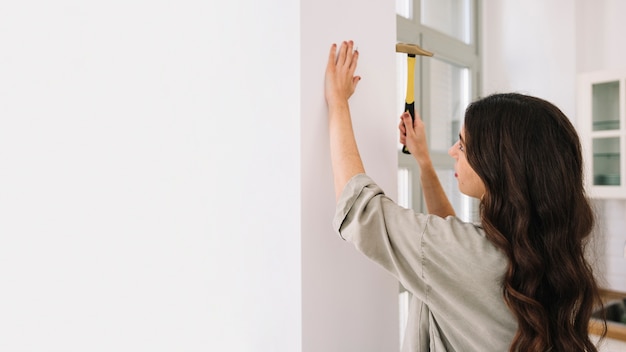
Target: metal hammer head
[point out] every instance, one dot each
(412, 49)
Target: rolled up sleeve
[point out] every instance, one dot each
(385, 232)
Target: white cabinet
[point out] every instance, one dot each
(602, 128)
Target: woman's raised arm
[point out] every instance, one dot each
(340, 83)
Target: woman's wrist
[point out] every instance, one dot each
(337, 104)
(423, 160)
(338, 110)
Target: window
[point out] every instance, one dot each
(444, 85)
(451, 17)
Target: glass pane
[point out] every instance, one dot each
(461, 203)
(403, 8)
(404, 188)
(452, 17)
(449, 96)
(401, 84)
(606, 163)
(605, 106)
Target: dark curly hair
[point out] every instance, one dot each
(535, 210)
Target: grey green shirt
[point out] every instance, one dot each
(452, 271)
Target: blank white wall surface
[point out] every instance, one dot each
(348, 303)
(529, 47)
(149, 176)
(600, 30)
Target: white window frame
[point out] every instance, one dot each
(453, 51)
(446, 48)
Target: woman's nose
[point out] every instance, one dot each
(452, 150)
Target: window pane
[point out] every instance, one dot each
(452, 17)
(400, 84)
(449, 96)
(403, 8)
(461, 203)
(404, 187)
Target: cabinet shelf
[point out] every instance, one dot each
(607, 180)
(608, 125)
(606, 155)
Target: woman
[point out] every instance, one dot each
(519, 280)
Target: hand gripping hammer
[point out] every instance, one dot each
(411, 50)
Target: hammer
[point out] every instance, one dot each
(409, 103)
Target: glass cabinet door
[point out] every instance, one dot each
(606, 161)
(605, 143)
(602, 129)
(605, 106)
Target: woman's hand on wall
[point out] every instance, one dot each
(340, 81)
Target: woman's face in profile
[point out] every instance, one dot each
(469, 182)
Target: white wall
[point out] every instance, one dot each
(349, 303)
(253, 252)
(149, 176)
(537, 47)
(600, 29)
(165, 182)
(529, 47)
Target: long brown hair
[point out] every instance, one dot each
(535, 210)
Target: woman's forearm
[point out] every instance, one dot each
(413, 135)
(344, 153)
(437, 202)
